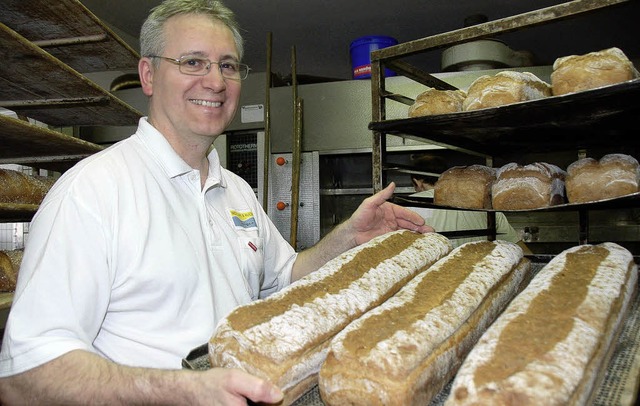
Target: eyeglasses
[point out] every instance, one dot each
(195, 66)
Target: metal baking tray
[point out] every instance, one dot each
(626, 201)
(619, 386)
(594, 118)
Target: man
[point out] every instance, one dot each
(452, 220)
(134, 255)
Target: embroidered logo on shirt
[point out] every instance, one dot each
(243, 219)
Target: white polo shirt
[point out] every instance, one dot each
(127, 257)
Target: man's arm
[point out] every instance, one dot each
(374, 217)
(80, 377)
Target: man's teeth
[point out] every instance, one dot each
(206, 103)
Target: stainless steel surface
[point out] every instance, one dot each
(309, 202)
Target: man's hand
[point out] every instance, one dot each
(376, 216)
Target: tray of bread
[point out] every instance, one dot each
(589, 103)
(610, 181)
(407, 319)
(629, 200)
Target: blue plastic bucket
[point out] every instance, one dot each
(361, 54)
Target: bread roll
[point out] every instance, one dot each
(18, 187)
(553, 340)
(285, 337)
(614, 175)
(504, 88)
(576, 73)
(407, 349)
(9, 266)
(435, 101)
(525, 187)
(466, 187)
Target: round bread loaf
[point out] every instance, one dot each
(525, 187)
(576, 73)
(467, 187)
(614, 175)
(504, 88)
(435, 101)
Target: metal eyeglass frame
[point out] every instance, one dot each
(243, 69)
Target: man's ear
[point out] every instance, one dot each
(145, 71)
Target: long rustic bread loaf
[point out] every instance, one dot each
(285, 337)
(9, 266)
(18, 187)
(553, 340)
(406, 350)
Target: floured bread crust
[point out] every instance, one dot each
(613, 175)
(467, 187)
(435, 101)
(576, 73)
(285, 337)
(553, 340)
(531, 186)
(404, 351)
(20, 188)
(506, 87)
(9, 266)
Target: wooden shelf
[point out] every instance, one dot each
(6, 298)
(27, 144)
(46, 47)
(590, 119)
(40, 86)
(69, 32)
(13, 212)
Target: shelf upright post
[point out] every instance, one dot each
(378, 113)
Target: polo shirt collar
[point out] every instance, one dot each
(172, 164)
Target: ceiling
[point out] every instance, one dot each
(319, 32)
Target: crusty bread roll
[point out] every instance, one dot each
(406, 350)
(285, 337)
(555, 338)
(466, 187)
(18, 187)
(525, 187)
(435, 101)
(614, 175)
(576, 73)
(506, 87)
(9, 266)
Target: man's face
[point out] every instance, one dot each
(183, 105)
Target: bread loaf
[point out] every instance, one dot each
(466, 187)
(18, 187)
(435, 101)
(404, 351)
(504, 88)
(614, 175)
(9, 266)
(285, 337)
(576, 73)
(525, 187)
(553, 340)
